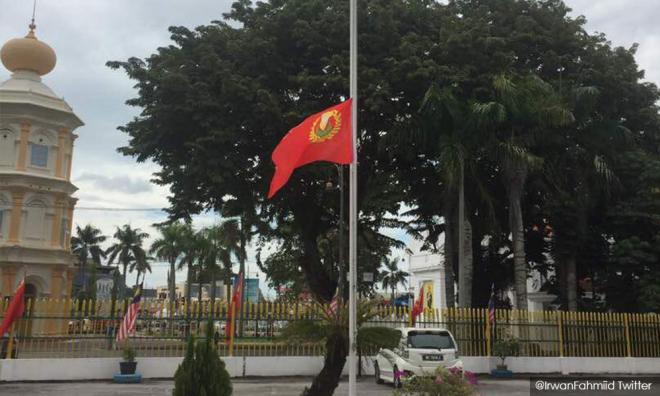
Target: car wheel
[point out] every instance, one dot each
(396, 377)
(377, 373)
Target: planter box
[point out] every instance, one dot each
(127, 368)
(499, 373)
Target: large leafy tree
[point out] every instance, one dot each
(218, 100)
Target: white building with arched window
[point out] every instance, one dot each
(36, 147)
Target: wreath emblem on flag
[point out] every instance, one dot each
(325, 127)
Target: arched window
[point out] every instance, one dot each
(35, 221)
(41, 144)
(7, 147)
(4, 216)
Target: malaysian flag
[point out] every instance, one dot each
(234, 308)
(333, 308)
(491, 304)
(128, 324)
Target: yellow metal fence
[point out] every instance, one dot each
(76, 328)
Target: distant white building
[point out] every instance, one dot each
(427, 272)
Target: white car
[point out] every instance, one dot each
(420, 353)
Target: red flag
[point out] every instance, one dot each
(234, 306)
(418, 307)
(325, 136)
(15, 309)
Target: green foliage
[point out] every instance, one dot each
(505, 347)
(202, 372)
(443, 383)
(127, 250)
(391, 277)
(86, 244)
(333, 323)
(128, 353)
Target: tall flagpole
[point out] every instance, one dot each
(352, 272)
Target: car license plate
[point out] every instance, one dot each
(432, 358)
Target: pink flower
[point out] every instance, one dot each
(399, 374)
(470, 377)
(439, 380)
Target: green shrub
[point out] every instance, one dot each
(129, 354)
(444, 383)
(505, 347)
(202, 372)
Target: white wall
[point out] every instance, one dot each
(105, 368)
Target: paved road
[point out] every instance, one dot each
(242, 387)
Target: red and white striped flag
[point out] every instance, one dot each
(128, 324)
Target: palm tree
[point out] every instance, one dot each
(392, 276)
(580, 179)
(331, 327)
(522, 107)
(169, 247)
(446, 125)
(191, 245)
(127, 249)
(217, 248)
(142, 267)
(86, 244)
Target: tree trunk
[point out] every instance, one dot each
(242, 270)
(326, 381)
(199, 287)
(189, 288)
(516, 180)
(321, 284)
(468, 266)
(571, 284)
(464, 267)
(449, 247)
(172, 286)
(83, 286)
(123, 282)
(213, 289)
(113, 307)
(228, 286)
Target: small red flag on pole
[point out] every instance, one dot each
(324, 136)
(234, 308)
(418, 307)
(14, 310)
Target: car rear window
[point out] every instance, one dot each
(430, 340)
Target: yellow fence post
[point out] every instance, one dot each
(626, 328)
(489, 350)
(560, 330)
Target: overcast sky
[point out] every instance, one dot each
(87, 33)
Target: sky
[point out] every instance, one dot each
(87, 33)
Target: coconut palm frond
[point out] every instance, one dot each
(490, 113)
(451, 158)
(516, 155)
(556, 116)
(585, 93)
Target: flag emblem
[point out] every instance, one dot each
(325, 127)
(324, 136)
